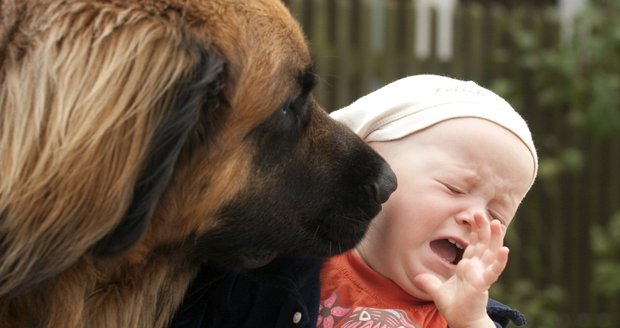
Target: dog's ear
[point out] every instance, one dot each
(190, 97)
(95, 104)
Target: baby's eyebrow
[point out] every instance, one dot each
(467, 175)
(472, 178)
(505, 200)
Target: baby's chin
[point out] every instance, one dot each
(417, 288)
(413, 289)
(418, 294)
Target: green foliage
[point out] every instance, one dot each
(581, 77)
(578, 83)
(539, 304)
(565, 160)
(605, 244)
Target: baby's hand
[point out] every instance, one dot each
(462, 299)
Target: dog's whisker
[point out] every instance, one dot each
(330, 248)
(316, 232)
(352, 219)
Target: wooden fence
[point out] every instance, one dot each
(360, 45)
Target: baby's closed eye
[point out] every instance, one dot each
(454, 189)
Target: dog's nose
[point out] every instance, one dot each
(385, 185)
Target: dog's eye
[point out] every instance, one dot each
(296, 107)
(287, 108)
(279, 133)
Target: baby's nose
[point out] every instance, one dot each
(467, 217)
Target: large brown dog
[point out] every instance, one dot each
(139, 139)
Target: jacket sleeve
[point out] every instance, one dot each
(285, 293)
(502, 314)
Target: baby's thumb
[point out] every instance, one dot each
(428, 284)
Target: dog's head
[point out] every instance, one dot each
(132, 127)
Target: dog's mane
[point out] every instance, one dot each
(71, 114)
(140, 139)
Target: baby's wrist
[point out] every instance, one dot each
(485, 322)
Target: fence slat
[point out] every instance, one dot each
(343, 58)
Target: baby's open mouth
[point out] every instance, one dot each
(448, 249)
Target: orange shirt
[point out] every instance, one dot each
(355, 296)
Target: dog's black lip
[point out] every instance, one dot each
(330, 243)
(253, 262)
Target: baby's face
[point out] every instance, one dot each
(446, 173)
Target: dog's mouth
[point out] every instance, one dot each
(301, 219)
(339, 232)
(449, 250)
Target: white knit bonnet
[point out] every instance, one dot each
(416, 102)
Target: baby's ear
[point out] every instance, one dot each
(94, 113)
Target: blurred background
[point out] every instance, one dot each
(558, 63)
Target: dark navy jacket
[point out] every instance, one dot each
(283, 294)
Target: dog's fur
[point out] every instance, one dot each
(139, 139)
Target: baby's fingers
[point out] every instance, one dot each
(496, 240)
(483, 271)
(429, 284)
(485, 236)
(495, 269)
(481, 228)
(479, 237)
(491, 251)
